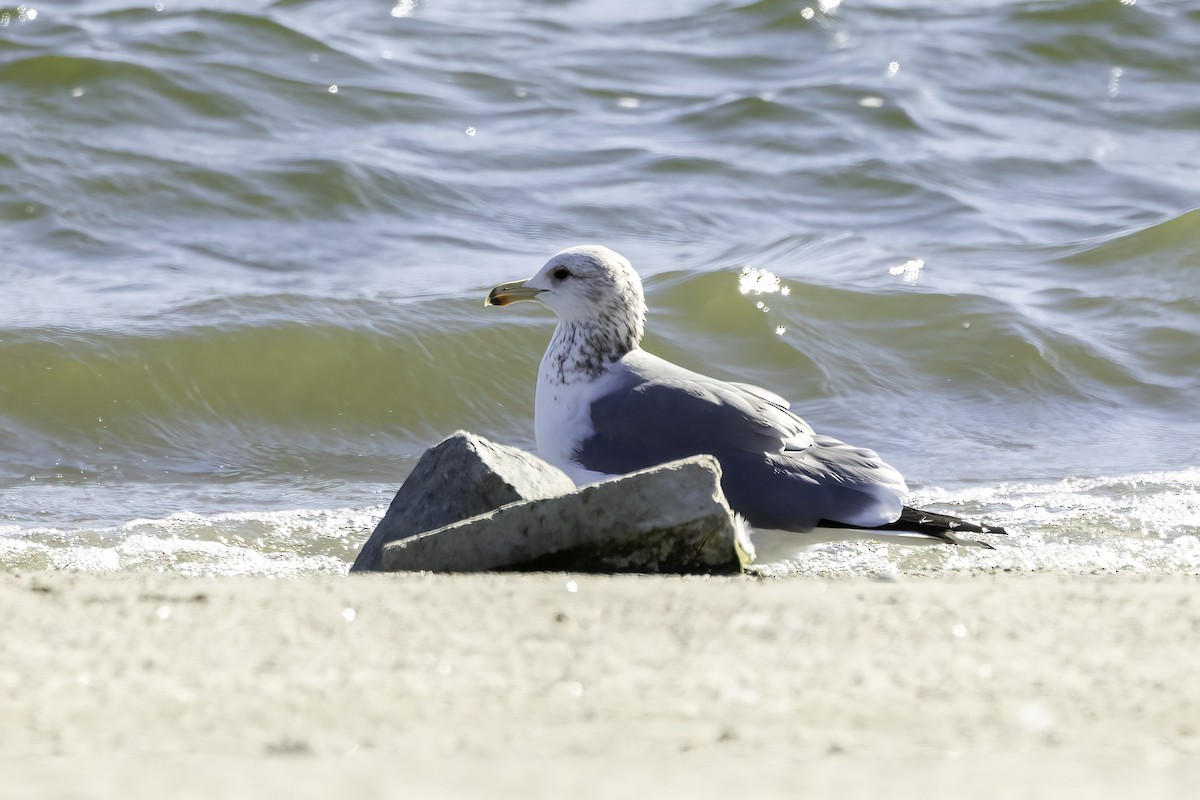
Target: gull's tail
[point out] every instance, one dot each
(928, 523)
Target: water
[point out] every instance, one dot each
(246, 246)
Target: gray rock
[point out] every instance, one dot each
(670, 519)
(462, 477)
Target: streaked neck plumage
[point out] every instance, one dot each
(582, 348)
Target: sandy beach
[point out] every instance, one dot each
(247, 252)
(506, 685)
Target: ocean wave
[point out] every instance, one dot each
(273, 544)
(1140, 523)
(246, 247)
(1163, 249)
(320, 368)
(236, 371)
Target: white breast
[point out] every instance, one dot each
(562, 418)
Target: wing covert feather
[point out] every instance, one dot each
(776, 471)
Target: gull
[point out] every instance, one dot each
(604, 407)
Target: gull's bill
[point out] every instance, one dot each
(511, 292)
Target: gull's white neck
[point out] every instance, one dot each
(581, 351)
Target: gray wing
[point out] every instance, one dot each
(777, 472)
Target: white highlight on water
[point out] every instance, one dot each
(1114, 82)
(909, 271)
(824, 6)
(760, 281)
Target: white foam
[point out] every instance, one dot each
(1141, 523)
(268, 543)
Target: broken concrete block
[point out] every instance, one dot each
(462, 477)
(668, 519)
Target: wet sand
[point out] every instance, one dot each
(507, 685)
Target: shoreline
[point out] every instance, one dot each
(763, 678)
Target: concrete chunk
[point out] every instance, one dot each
(461, 477)
(671, 519)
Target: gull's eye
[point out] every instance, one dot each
(561, 274)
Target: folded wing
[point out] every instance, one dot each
(777, 472)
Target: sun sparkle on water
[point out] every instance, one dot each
(760, 281)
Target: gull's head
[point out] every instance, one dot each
(585, 284)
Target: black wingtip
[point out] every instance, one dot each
(938, 526)
(931, 523)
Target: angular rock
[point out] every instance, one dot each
(464, 476)
(668, 519)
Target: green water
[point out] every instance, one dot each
(246, 245)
